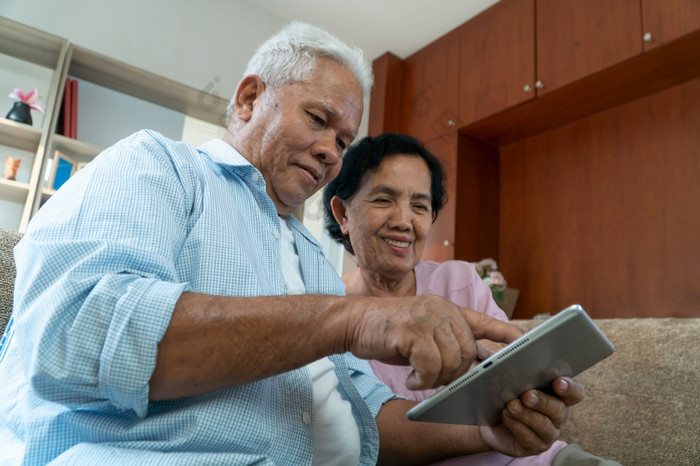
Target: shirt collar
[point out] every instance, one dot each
(223, 153)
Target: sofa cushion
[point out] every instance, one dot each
(642, 403)
(8, 239)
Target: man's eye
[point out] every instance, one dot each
(341, 144)
(318, 121)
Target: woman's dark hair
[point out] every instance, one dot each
(366, 156)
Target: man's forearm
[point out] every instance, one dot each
(216, 342)
(407, 442)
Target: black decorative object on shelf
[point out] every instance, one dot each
(26, 101)
(20, 112)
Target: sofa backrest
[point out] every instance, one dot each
(642, 404)
(8, 239)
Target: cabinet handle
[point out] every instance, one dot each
(527, 88)
(648, 37)
(539, 84)
(447, 242)
(451, 122)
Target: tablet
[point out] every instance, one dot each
(564, 345)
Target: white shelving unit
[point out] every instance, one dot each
(41, 50)
(19, 200)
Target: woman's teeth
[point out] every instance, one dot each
(400, 244)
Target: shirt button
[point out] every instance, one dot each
(276, 234)
(306, 417)
(255, 176)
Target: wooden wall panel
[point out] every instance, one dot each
(440, 245)
(385, 101)
(477, 190)
(605, 212)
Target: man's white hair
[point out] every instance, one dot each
(289, 56)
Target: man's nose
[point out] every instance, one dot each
(326, 148)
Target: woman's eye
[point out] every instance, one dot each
(422, 207)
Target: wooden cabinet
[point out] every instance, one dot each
(519, 50)
(578, 38)
(580, 189)
(526, 66)
(430, 86)
(19, 200)
(667, 20)
(497, 60)
(596, 89)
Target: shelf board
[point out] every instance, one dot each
(144, 85)
(47, 193)
(29, 44)
(19, 135)
(14, 190)
(74, 147)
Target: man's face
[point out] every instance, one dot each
(296, 133)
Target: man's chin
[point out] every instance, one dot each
(290, 201)
(288, 206)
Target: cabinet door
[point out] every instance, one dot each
(666, 20)
(430, 88)
(576, 38)
(497, 60)
(441, 242)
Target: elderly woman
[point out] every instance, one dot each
(381, 207)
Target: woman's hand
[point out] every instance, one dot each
(533, 422)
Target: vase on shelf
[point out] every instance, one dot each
(20, 112)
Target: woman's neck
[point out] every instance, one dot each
(360, 282)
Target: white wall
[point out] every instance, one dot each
(205, 44)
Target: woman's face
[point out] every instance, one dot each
(390, 216)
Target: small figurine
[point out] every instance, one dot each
(11, 166)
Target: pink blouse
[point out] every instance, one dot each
(459, 282)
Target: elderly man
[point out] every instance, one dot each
(169, 309)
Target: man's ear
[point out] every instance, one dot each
(249, 89)
(339, 210)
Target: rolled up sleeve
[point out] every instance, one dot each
(97, 281)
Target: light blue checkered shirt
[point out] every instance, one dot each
(98, 274)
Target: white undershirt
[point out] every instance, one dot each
(337, 439)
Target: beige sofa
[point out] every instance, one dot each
(643, 402)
